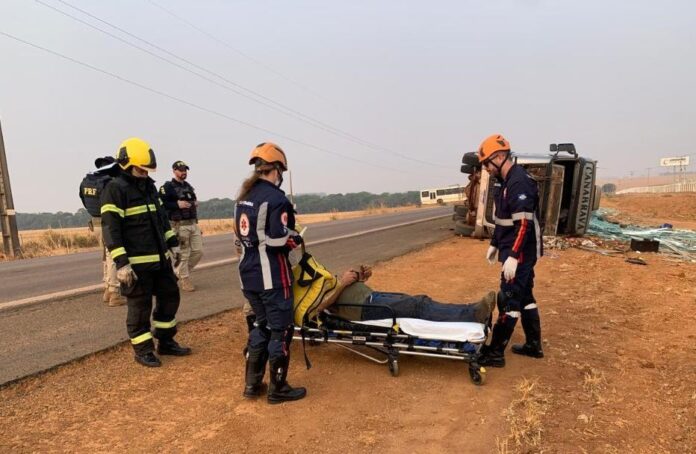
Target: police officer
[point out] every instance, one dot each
(517, 243)
(141, 243)
(265, 226)
(179, 198)
(91, 189)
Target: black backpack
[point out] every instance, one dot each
(91, 189)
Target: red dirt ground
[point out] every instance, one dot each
(619, 376)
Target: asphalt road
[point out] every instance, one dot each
(21, 279)
(38, 337)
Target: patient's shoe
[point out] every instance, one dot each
(484, 308)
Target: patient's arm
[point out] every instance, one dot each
(348, 278)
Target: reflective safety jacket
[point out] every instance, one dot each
(517, 229)
(264, 220)
(134, 223)
(171, 192)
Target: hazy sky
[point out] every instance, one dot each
(393, 79)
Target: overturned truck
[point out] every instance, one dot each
(567, 192)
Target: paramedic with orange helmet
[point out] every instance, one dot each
(265, 226)
(517, 243)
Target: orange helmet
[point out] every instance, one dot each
(268, 153)
(492, 144)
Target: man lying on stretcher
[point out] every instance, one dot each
(368, 304)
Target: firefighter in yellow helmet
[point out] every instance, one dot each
(265, 226)
(142, 244)
(517, 245)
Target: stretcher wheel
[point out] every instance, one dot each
(478, 375)
(394, 367)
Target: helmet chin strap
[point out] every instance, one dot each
(499, 168)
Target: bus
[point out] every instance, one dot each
(448, 194)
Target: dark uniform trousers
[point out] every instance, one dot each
(518, 296)
(161, 284)
(274, 325)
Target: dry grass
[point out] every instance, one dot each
(524, 416)
(42, 243)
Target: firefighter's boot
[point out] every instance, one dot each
(255, 370)
(172, 347)
(148, 359)
(280, 391)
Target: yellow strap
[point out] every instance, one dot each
(144, 259)
(142, 338)
(119, 251)
(110, 207)
(164, 325)
(168, 234)
(140, 209)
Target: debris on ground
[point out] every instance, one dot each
(607, 236)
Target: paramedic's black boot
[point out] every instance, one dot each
(532, 333)
(255, 370)
(494, 355)
(250, 319)
(172, 347)
(280, 391)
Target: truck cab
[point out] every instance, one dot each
(567, 191)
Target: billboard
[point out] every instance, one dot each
(674, 162)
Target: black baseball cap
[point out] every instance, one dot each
(179, 165)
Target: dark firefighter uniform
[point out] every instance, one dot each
(517, 234)
(137, 232)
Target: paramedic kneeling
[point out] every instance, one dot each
(353, 300)
(265, 222)
(517, 242)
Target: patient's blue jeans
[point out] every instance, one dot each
(415, 306)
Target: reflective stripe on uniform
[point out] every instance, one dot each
(144, 259)
(530, 307)
(514, 314)
(140, 209)
(263, 257)
(503, 222)
(119, 251)
(522, 215)
(277, 242)
(537, 233)
(142, 338)
(164, 325)
(168, 234)
(111, 208)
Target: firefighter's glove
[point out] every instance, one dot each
(294, 241)
(126, 276)
(510, 269)
(176, 256)
(492, 255)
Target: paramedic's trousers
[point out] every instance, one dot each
(415, 306)
(274, 327)
(162, 285)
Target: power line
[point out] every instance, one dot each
(274, 105)
(192, 104)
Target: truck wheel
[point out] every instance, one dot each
(461, 210)
(463, 229)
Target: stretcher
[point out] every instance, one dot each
(384, 341)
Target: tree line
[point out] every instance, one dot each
(224, 208)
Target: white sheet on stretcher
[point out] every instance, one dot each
(425, 329)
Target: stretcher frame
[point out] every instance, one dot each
(390, 343)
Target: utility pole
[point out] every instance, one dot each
(8, 219)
